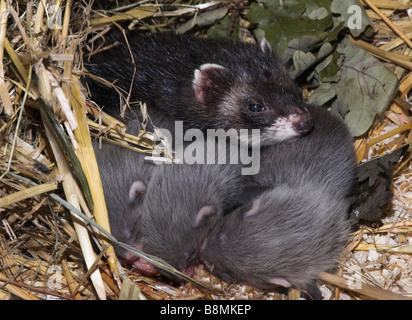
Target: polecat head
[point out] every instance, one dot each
(253, 94)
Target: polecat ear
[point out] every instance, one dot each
(265, 46)
(137, 190)
(205, 213)
(208, 79)
(254, 209)
(280, 282)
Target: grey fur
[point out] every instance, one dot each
(298, 227)
(165, 210)
(181, 205)
(119, 169)
(294, 235)
(325, 157)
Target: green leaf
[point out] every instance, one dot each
(220, 30)
(303, 61)
(305, 43)
(322, 95)
(333, 34)
(260, 15)
(286, 28)
(294, 8)
(318, 13)
(329, 68)
(204, 19)
(312, 7)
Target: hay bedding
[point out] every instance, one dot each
(41, 256)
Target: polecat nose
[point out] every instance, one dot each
(303, 127)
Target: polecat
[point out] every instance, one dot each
(297, 228)
(178, 210)
(165, 210)
(119, 169)
(285, 237)
(206, 83)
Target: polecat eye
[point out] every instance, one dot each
(254, 107)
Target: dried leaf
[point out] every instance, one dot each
(70, 152)
(366, 88)
(373, 186)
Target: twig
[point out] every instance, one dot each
(389, 134)
(4, 12)
(396, 58)
(365, 289)
(149, 258)
(389, 23)
(18, 123)
(22, 31)
(31, 288)
(66, 21)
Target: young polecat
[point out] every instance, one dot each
(165, 210)
(206, 83)
(297, 228)
(180, 207)
(119, 169)
(284, 238)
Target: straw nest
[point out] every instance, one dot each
(47, 251)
